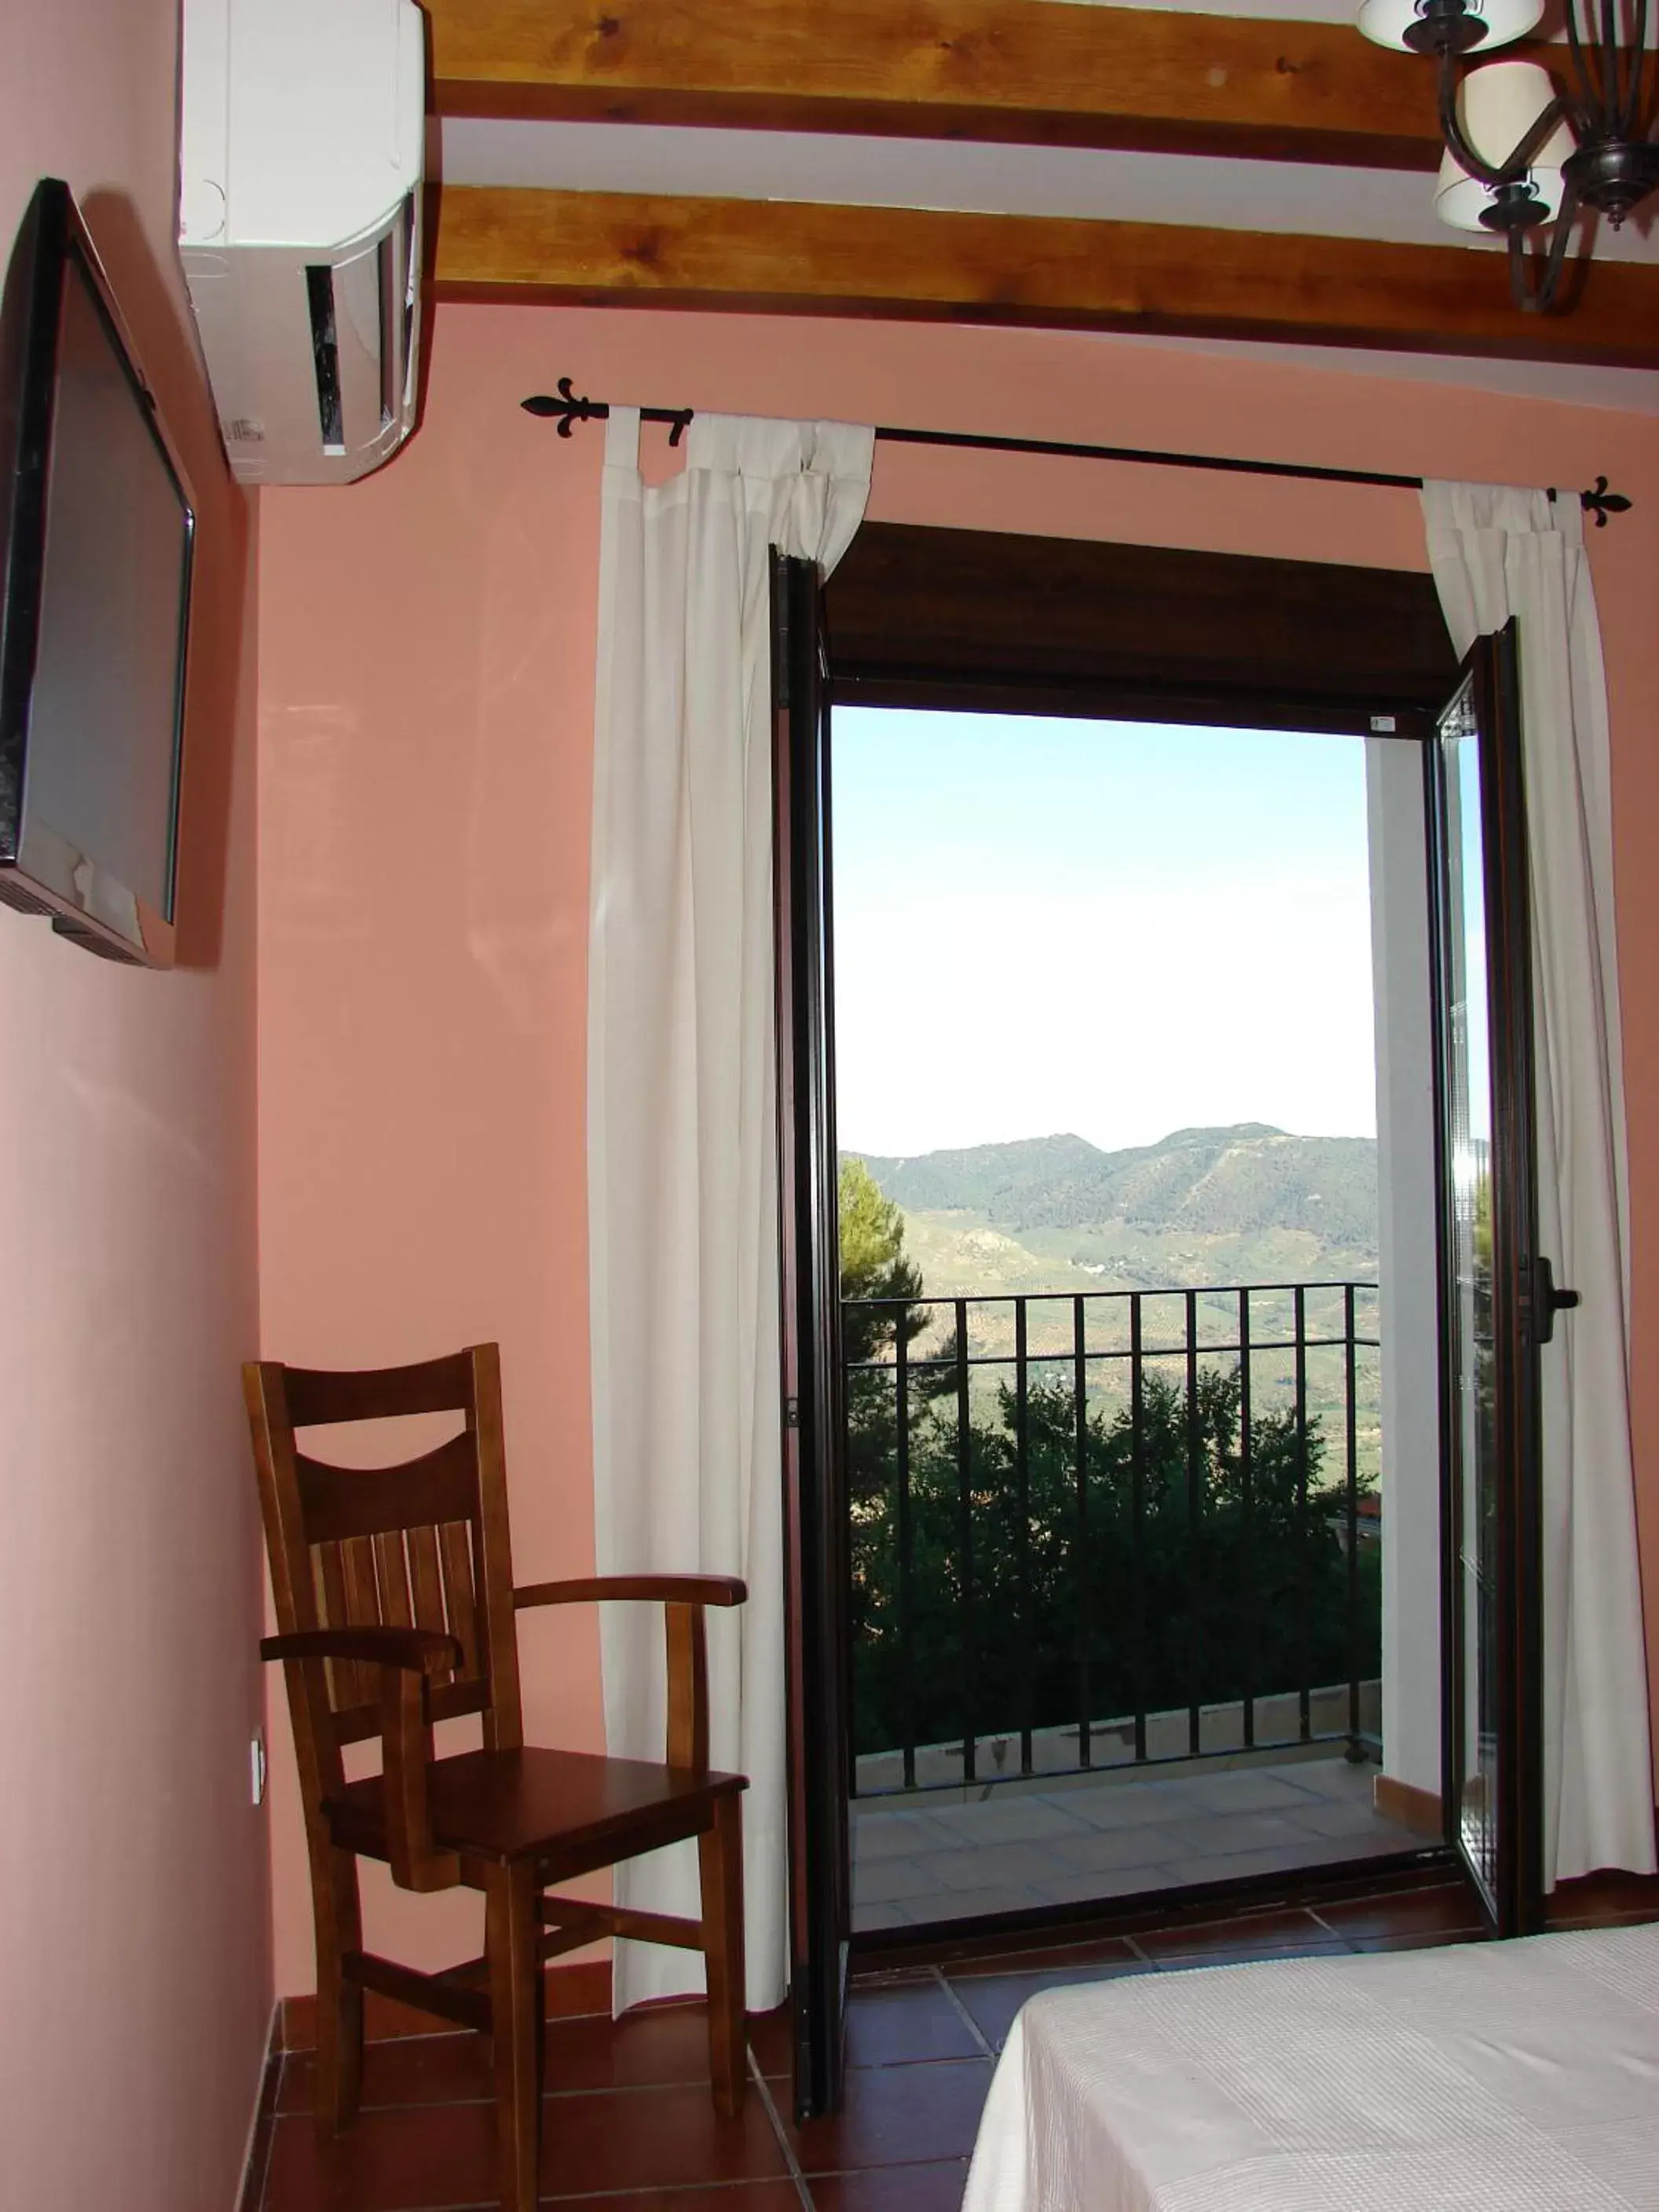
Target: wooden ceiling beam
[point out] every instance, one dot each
(906, 263)
(1038, 72)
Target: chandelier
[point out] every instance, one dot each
(1520, 152)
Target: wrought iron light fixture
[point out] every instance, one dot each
(1588, 148)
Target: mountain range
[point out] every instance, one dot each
(1246, 1203)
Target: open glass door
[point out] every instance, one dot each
(1497, 1304)
(815, 1515)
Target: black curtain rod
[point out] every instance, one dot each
(567, 409)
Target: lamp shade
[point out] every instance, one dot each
(1386, 21)
(1497, 106)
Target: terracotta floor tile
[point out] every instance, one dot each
(386, 2161)
(722, 2196)
(898, 2116)
(1421, 1939)
(408, 2069)
(888, 2188)
(669, 2044)
(993, 1999)
(899, 2027)
(648, 2050)
(653, 2139)
(1255, 1932)
(772, 2039)
(1559, 1922)
(1249, 1954)
(1438, 1874)
(628, 2120)
(444, 2154)
(1042, 1958)
(1448, 1910)
(1600, 1900)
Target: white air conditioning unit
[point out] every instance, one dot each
(300, 226)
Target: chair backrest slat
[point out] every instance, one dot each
(421, 1544)
(460, 1612)
(392, 1573)
(362, 1589)
(426, 1584)
(346, 1681)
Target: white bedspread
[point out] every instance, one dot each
(1484, 2077)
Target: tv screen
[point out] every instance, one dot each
(99, 529)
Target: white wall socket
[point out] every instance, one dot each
(256, 1760)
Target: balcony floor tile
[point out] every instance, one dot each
(893, 1835)
(1010, 1819)
(1108, 1851)
(887, 1880)
(1136, 1835)
(991, 1865)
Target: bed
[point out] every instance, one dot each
(1484, 2077)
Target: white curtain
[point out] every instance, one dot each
(682, 1135)
(1497, 552)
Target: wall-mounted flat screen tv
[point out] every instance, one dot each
(97, 531)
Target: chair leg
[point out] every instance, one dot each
(513, 1929)
(719, 1857)
(339, 2002)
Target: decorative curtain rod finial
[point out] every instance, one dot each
(567, 409)
(1600, 502)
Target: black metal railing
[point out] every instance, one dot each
(1149, 1505)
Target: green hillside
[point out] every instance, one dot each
(1200, 1208)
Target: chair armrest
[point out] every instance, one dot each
(682, 1598)
(416, 1650)
(666, 1589)
(403, 1658)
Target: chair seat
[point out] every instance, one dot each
(568, 1806)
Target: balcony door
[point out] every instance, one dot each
(815, 1512)
(1497, 1297)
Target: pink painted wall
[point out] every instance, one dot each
(426, 703)
(134, 1920)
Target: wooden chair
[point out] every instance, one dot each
(395, 1602)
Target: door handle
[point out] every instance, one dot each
(1546, 1300)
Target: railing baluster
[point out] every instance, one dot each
(1137, 1521)
(1247, 1504)
(1027, 1638)
(1303, 1664)
(1355, 1749)
(1195, 1593)
(965, 1539)
(1081, 1434)
(907, 1654)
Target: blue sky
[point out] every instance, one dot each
(1113, 929)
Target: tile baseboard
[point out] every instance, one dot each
(1414, 1808)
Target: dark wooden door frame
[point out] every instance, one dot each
(815, 1515)
(1522, 1305)
(994, 622)
(990, 622)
